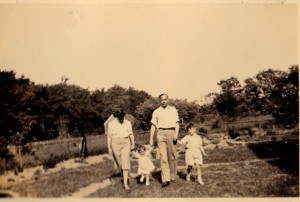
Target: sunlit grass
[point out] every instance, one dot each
(66, 181)
(243, 176)
(257, 179)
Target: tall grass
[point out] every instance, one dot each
(49, 153)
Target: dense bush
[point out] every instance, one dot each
(233, 134)
(202, 130)
(50, 162)
(216, 124)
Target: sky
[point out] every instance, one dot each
(182, 49)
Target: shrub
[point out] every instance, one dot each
(243, 138)
(271, 133)
(37, 174)
(216, 124)
(202, 130)
(50, 162)
(273, 138)
(214, 136)
(254, 131)
(233, 134)
(216, 141)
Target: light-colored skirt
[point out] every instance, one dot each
(121, 152)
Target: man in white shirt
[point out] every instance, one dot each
(165, 121)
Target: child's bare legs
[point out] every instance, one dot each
(140, 172)
(147, 180)
(188, 175)
(199, 174)
(142, 178)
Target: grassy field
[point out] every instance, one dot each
(49, 153)
(57, 152)
(257, 170)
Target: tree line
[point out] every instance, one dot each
(30, 112)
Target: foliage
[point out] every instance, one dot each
(50, 162)
(16, 116)
(187, 111)
(36, 112)
(285, 96)
(227, 101)
(144, 112)
(269, 92)
(202, 130)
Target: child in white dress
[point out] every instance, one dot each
(194, 150)
(145, 164)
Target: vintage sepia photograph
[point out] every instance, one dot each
(140, 99)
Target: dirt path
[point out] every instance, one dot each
(230, 163)
(85, 191)
(10, 179)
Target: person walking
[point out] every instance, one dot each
(120, 141)
(83, 147)
(145, 164)
(165, 121)
(194, 150)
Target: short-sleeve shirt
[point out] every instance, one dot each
(192, 141)
(165, 117)
(118, 130)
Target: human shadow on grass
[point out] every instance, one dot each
(181, 175)
(116, 175)
(156, 175)
(286, 150)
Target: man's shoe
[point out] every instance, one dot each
(165, 184)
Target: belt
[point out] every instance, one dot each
(120, 137)
(166, 128)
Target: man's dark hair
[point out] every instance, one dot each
(162, 95)
(189, 126)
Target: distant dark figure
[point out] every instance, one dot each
(83, 148)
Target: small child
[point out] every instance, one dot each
(194, 147)
(145, 165)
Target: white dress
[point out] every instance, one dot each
(145, 165)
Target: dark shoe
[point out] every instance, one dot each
(165, 184)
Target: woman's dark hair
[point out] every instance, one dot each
(119, 115)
